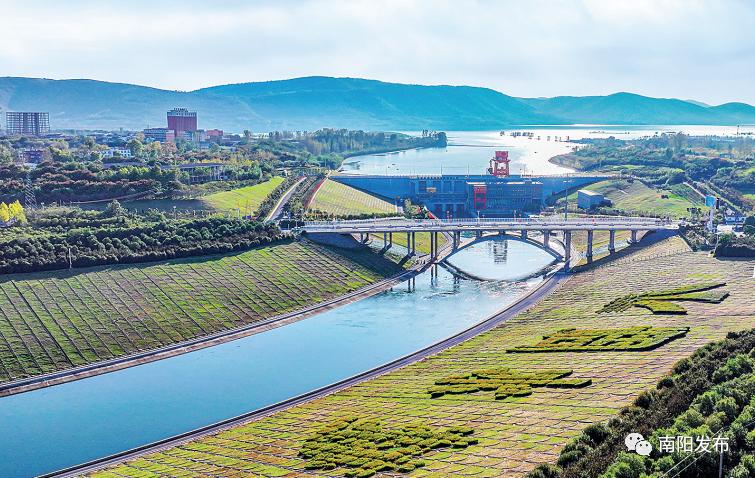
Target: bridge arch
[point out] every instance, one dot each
(488, 235)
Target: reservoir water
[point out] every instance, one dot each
(470, 151)
(67, 424)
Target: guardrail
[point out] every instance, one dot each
(582, 221)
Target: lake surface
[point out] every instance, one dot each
(470, 151)
(67, 424)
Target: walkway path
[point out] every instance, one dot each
(278, 209)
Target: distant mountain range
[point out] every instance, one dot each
(314, 102)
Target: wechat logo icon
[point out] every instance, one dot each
(637, 443)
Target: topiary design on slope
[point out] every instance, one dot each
(505, 382)
(664, 302)
(600, 340)
(365, 447)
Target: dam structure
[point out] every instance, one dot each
(462, 195)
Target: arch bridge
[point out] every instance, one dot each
(547, 226)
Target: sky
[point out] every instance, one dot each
(688, 49)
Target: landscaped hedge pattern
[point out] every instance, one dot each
(595, 340)
(54, 321)
(709, 394)
(505, 382)
(515, 434)
(663, 302)
(366, 447)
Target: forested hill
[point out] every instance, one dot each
(315, 102)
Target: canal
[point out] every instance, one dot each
(63, 425)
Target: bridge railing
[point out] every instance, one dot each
(597, 220)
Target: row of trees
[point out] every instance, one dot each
(140, 243)
(54, 181)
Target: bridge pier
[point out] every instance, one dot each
(457, 239)
(477, 234)
(633, 238)
(589, 245)
(414, 243)
(524, 234)
(611, 241)
(385, 240)
(390, 239)
(567, 248)
(409, 243)
(546, 239)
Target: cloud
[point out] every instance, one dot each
(668, 48)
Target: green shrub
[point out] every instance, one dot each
(505, 381)
(663, 302)
(595, 340)
(366, 448)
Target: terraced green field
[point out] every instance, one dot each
(639, 199)
(54, 321)
(248, 199)
(511, 434)
(342, 200)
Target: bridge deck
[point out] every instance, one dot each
(452, 225)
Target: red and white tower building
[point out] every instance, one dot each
(181, 120)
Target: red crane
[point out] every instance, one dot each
(499, 166)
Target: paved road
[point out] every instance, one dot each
(278, 209)
(526, 302)
(451, 225)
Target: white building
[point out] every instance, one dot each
(117, 153)
(587, 199)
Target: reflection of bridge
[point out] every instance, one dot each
(546, 226)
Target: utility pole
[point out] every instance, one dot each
(721, 465)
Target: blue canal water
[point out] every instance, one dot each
(486, 257)
(56, 427)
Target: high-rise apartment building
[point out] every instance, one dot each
(27, 123)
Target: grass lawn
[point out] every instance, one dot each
(57, 320)
(515, 433)
(637, 198)
(342, 200)
(248, 199)
(421, 240)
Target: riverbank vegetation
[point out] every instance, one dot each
(633, 197)
(722, 166)
(517, 433)
(54, 321)
(68, 237)
(709, 394)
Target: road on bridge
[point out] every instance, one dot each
(453, 225)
